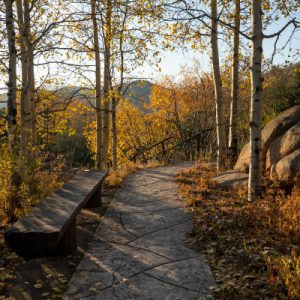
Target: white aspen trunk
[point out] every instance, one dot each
(106, 87)
(221, 142)
(98, 87)
(255, 171)
(31, 79)
(115, 134)
(12, 74)
(24, 101)
(11, 103)
(233, 140)
(114, 100)
(30, 84)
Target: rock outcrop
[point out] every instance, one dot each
(271, 132)
(283, 145)
(287, 169)
(280, 145)
(280, 153)
(231, 180)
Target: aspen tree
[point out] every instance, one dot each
(114, 134)
(12, 73)
(98, 86)
(30, 85)
(221, 143)
(24, 101)
(11, 103)
(107, 80)
(233, 139)
(115, 100)
(255, 170)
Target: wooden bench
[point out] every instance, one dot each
(50, 227)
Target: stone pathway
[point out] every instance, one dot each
(138, 251)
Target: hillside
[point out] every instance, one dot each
(138, 92)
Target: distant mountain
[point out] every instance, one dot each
(138, 92)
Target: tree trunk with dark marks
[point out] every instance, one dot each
(98, 86)
(106, 87)
(12, 75)
(233, 140)
(221, 142)
(24, 101)
(255, 171)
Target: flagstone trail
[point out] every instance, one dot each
(139, 250)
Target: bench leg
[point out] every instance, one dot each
(68, 243)
(95, 200)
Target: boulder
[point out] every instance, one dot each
(283, 145)
(287, 169)
(231, 180)
(272, 131)
(242, 164)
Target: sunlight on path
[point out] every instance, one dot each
(138, 251)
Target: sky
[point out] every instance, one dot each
(171, 62)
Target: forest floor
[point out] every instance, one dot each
(252, 247)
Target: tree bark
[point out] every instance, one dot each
(98, 87)
(114, 134)
(12, 104)
(106, 87)
(30, 84)
(221, 143)
(24, 101)
(12, 75)
(233, 140)
(255, 171)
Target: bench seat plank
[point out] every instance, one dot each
(42, 229)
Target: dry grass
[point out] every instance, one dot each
(253, 248)
(116, 178)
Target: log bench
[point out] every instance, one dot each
(50, 227)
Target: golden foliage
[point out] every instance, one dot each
(35, 182)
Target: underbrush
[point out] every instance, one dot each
(33, 181)
(253, 247)
(25, 184)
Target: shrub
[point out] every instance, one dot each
(25, 184)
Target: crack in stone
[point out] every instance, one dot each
(124, 227)
(177, 285)
(162, 264)
(115, 283)
(90, 285)
(148, 233)
(137, 248)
